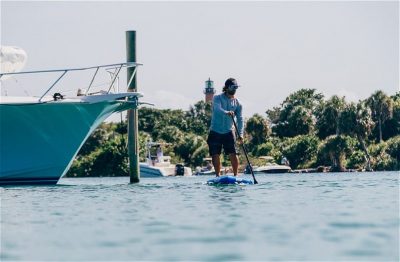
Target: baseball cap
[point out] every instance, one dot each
(231, 83)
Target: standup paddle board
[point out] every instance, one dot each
(227, 180)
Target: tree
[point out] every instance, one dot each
(199, 118)
(293, 123)
(299, 121)
(153, 121)
(144, 138)
(264, 149)
(307, 98)
(257, 128)
(273, 114)
(148, 118)
(171, 134)
(382, 109)
(391, 127)
(192, 149)
(356, 120)
(381, 155)
(301, 149)
(393, 149)
(328, 116)
(296, 113)
(111, 159)
(96, 139)
(335, 148)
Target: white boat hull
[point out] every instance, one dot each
(272, 169)
(154, 171)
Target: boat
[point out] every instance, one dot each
(207, 170)
(269, 167)
(158, 165)
(41, 135)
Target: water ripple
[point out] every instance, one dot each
(352, 225)
(319, 217)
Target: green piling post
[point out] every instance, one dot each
(133, 131)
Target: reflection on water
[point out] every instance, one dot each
(285, 217)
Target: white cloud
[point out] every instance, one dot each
(12, 58)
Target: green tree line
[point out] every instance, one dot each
(309, 130)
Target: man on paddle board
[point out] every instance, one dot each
(222, 134)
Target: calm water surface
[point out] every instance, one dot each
(347, 216)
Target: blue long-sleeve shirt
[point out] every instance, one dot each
(220, 121)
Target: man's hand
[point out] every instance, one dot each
(240, 140)
(230, 113)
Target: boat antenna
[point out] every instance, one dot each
(245, 151)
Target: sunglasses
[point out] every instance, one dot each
(233, 87)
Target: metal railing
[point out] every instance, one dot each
(117, 67)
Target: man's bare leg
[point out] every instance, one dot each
(217, 164)
(235, 163)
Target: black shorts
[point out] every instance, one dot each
(216, 141)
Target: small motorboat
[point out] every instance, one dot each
(269, 167)
(207, 169)
(159, 165)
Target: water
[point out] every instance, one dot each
(348, 216)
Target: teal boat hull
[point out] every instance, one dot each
(40, 140)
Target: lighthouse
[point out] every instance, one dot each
(209, 90)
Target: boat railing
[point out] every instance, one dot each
(114, 75)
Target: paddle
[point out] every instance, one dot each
(245, 151)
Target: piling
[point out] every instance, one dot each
(133, 130)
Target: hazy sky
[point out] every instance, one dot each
(272, 48)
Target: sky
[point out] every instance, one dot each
(272, 48)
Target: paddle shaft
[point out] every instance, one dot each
(244, 150)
